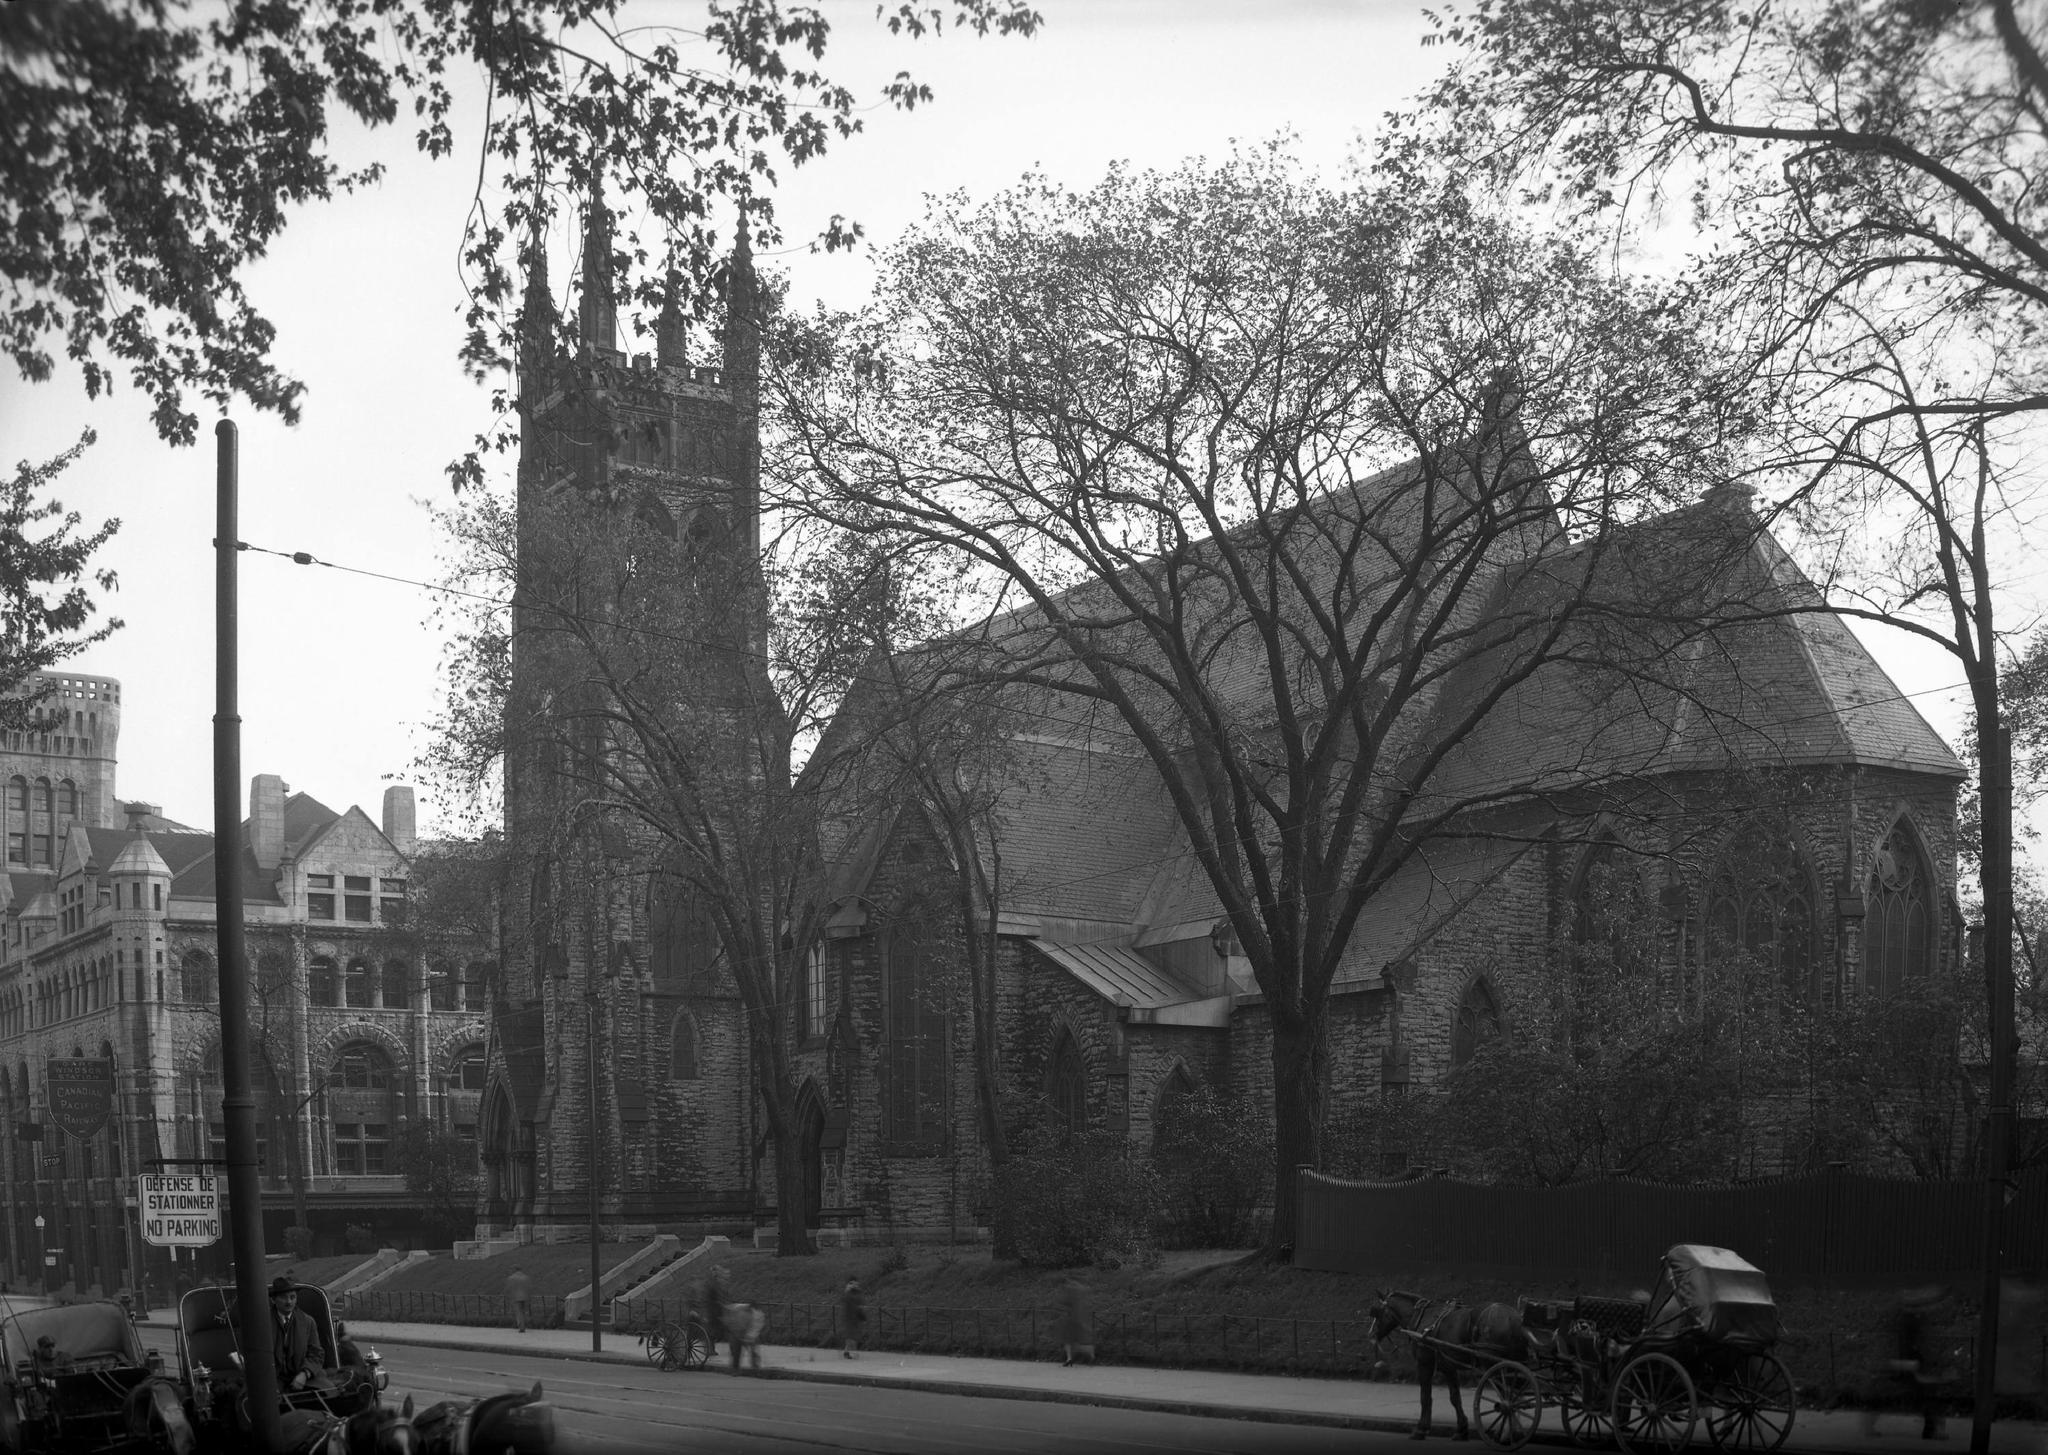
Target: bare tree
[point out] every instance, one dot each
(1270, 484)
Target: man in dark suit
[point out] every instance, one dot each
(294, 1341)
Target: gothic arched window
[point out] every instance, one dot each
(1174, 1092)
(682, 1048)
(1475, 1021)
(1607, 896)
(1760, 901)
(1066, 1088)
(1899, 915)
(915, 1050)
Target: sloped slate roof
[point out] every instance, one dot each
(1082, 832)
(1426, 893)
(1764, 681)
(1118, 975)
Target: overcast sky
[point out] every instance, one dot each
(340, 670)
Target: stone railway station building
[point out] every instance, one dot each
(1116, 985)
(108, 915)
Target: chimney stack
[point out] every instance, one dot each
(139, 814)
(398, 820)
(266, 820)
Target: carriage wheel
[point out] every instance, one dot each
(1506, 1405)
(1587, 1424)
(1655, 1406)
(695, 1351)
(1750, 1406)
(662, 1345)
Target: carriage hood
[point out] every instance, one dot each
(1715, 1292)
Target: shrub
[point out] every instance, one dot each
(1086, 1201)
(299, 1239)
(360, 1238)
(1214, 1154)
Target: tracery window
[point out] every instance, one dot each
(1607, 896)
(1173, 1094)
(1066, 1088)
(1760, 902)
(1475, 1021)
(817, 1000)
(914, 1040)
(682, 1048)
(197, 983)
(1898, 915)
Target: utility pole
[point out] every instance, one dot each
(238, 1105)
(1996, 804)
(596, 1164)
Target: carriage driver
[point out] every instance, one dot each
(294, 1341)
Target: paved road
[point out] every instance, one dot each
(624, 1409)
(617, 1409)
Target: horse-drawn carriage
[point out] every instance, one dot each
(75, 1378)
(1640, 1374)
(210, 1360)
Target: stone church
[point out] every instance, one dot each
(1117, 984)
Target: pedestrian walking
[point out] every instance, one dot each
(743, 1325)
(1077, 1324)
(519, 1293)
(853, 1317)
(716, 1294)
(1912, 1365)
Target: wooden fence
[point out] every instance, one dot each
(1825, 1228)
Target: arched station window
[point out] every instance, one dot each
(362, 1109)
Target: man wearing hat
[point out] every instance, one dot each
(51, 1360)
(294, 1341)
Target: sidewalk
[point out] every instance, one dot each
(1348, 1404)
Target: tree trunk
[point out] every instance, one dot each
(1298, 1107)
(792, 1238)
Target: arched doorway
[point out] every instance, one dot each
(500, 1156)
(810, 1128)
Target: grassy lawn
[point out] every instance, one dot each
(1224, 1308)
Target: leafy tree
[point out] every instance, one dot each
(1257, 478)
(440, 1171)
(157, 148)
(44, 621)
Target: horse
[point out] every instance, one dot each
(156, 1408)
(1492, 1331)
(375, 1429)
(520, 1423)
